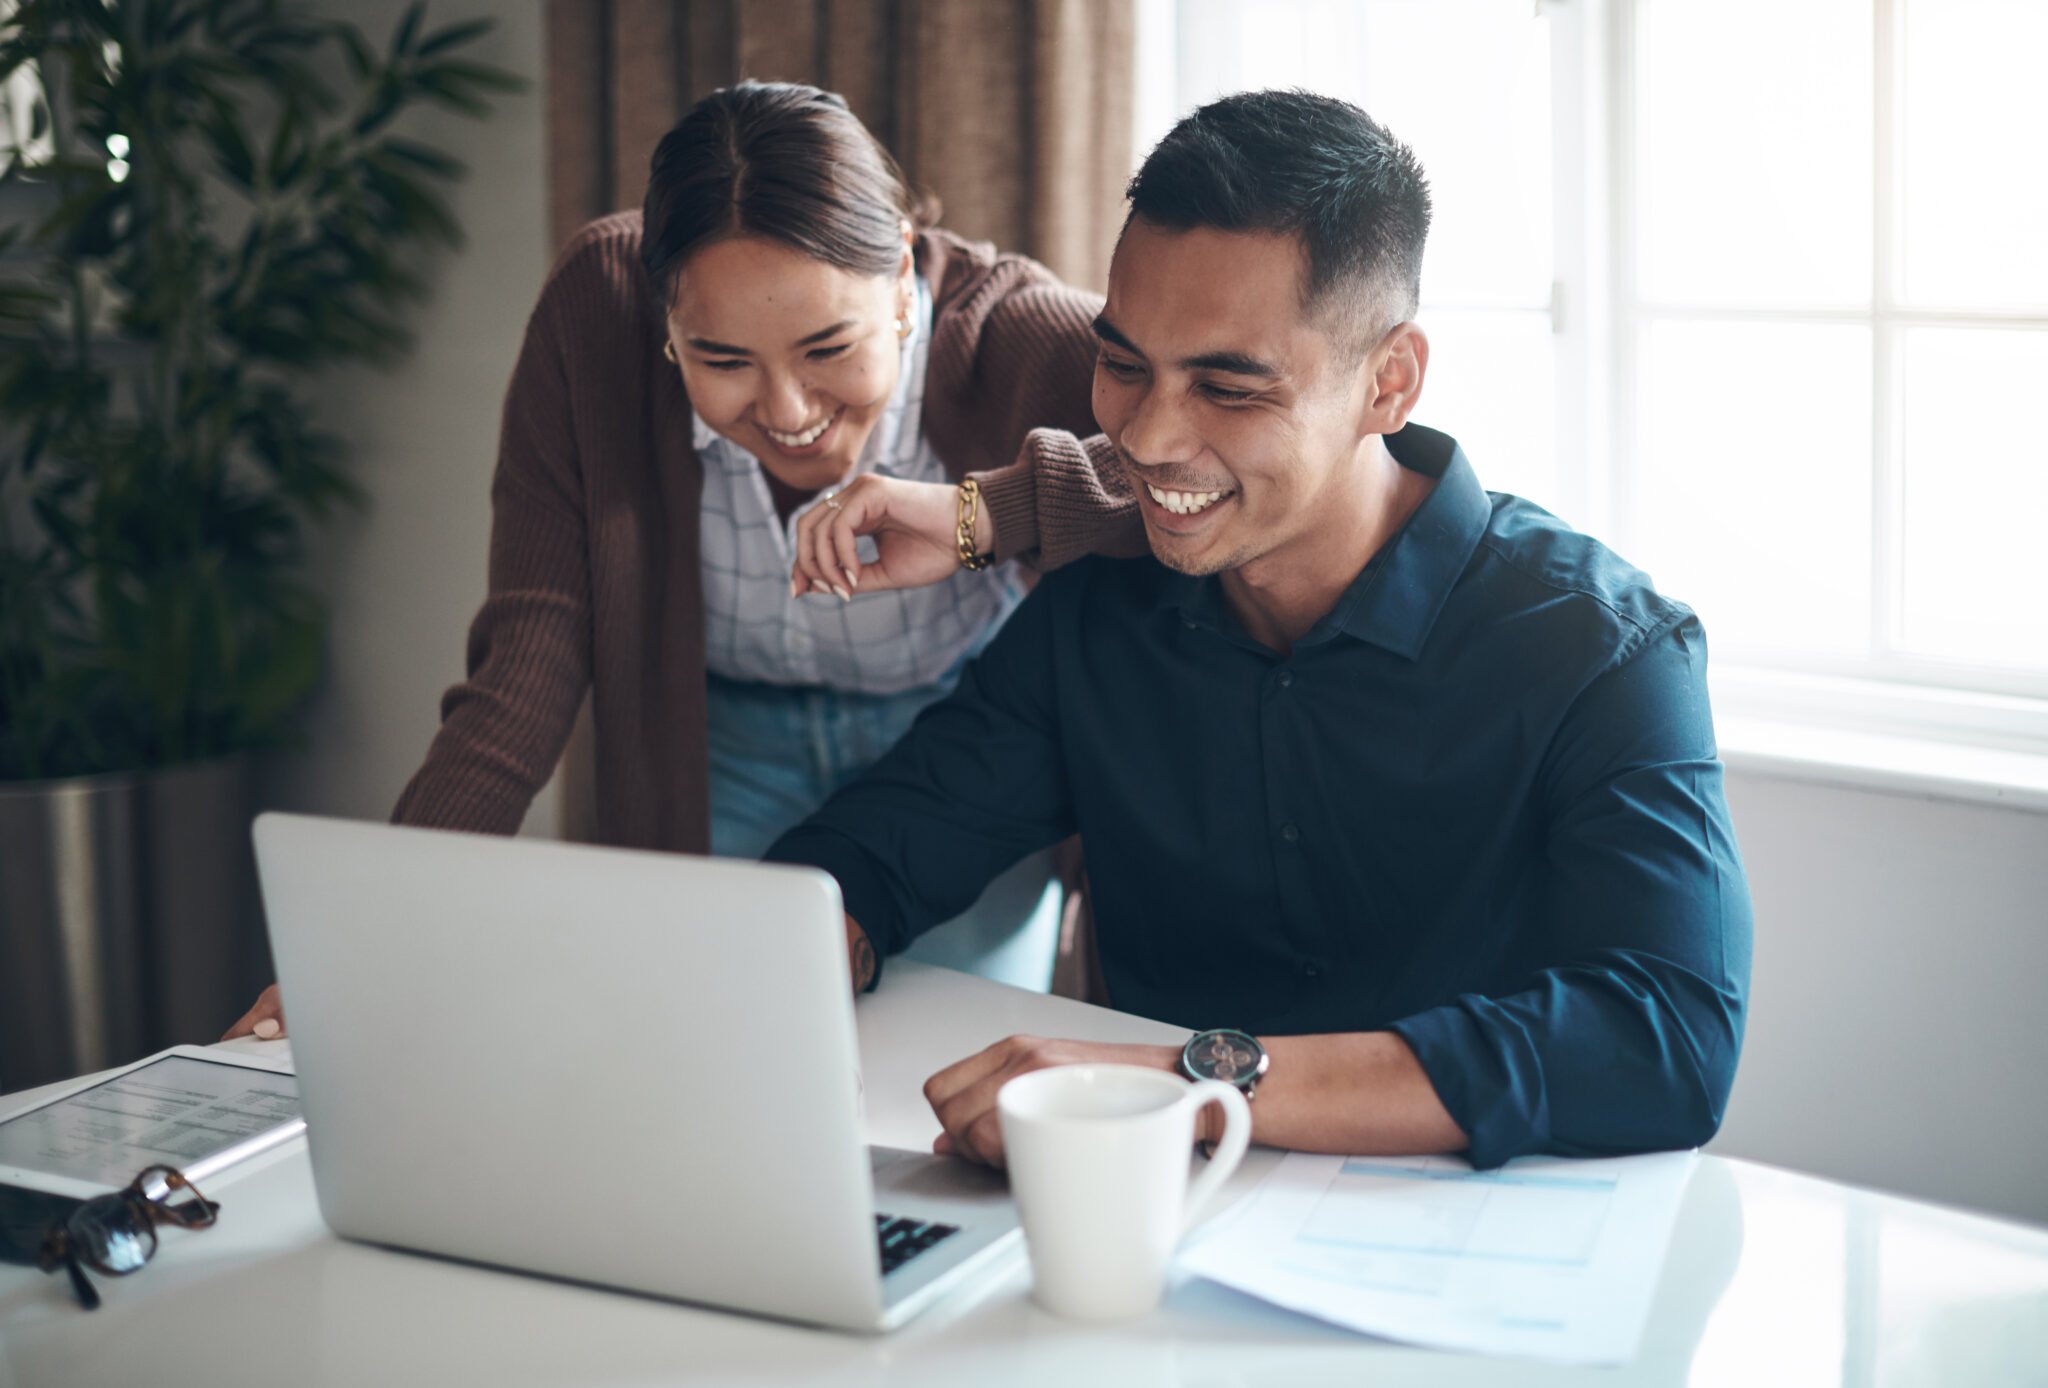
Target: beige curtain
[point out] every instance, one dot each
(1016, 113)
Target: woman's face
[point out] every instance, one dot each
(789, 357)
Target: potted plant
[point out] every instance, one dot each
(210, 202)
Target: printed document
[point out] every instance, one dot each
(1546, 1257)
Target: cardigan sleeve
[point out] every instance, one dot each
(1010, 400)
(529, 652)
(1062, 498)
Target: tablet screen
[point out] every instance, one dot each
(181, 1111)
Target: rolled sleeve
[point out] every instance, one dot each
(1625, 1037)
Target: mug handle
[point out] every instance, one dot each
(1237, 1136)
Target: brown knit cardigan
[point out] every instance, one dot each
(594, 577)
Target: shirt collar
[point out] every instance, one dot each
(1395, 600)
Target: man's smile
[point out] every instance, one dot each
(1184, 503)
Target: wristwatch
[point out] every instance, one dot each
(1223, 1054)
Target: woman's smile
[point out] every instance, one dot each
(809, 439)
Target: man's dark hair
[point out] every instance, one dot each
(779, 160)
(1296, 164)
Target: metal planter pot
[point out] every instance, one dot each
(127, 916)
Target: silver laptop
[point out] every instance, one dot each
(624, 1068)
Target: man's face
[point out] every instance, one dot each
(1237, 415)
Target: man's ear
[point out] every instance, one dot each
(1395, 367)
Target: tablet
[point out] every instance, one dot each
(191, 1107)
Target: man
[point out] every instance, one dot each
(1413, 785)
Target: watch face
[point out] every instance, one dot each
(1230, 1056)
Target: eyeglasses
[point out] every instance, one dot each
(115, 1235)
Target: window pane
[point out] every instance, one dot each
(1976, 471)
(24, 115)
(1973, 189)
(1465, 83)
(1752, 490)
(1491, 385)
(1753, 156)
(1228, 46)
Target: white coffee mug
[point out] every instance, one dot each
(1098, 1158)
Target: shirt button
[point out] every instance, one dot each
(1286, 678)
(1289, 832)
(1311, 969)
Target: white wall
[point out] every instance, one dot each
(406, 576)
(1897, 1035)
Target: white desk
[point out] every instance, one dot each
(1773, 1278)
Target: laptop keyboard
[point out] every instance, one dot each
(904, 1239)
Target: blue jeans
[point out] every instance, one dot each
(777, 753)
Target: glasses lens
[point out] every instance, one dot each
(110, 1235)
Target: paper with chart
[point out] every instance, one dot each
(200, 1116)
(1546, 1257)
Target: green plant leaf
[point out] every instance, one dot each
(408, 29)
(454, 36)
(159, 460)
(424, 157)
(237, 162)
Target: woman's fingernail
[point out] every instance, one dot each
(267, 1029)
(844, 596)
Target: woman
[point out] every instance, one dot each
(696, 379)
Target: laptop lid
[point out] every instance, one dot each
(627, 1068)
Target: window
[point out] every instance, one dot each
(1752, 289)
(27, 134)
(24, 117)
(1456, 80)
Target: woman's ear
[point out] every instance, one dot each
(906, 279)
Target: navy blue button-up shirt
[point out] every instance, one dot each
(1479, 804)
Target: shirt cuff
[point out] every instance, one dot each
(1491, 1086)
(863, 885)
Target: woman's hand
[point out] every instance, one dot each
(915, 528)
(264, 1021)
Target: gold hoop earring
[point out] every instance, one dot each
(903, 326)
(668, 349)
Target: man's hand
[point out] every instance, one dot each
(963, 1095)
(915, 528)
(860, 957)
(264, 1021)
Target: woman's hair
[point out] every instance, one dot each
(780, 160)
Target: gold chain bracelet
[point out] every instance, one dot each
(970, 499)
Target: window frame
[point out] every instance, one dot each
(1888, 690)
